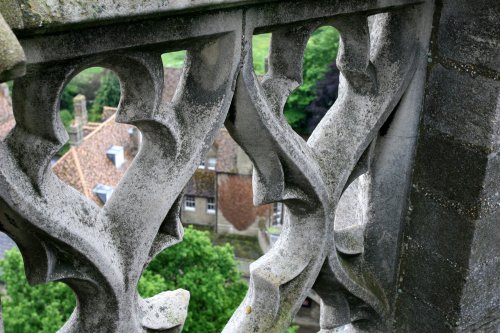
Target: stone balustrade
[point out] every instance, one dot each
(346, 190)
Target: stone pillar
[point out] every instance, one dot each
(450, 264)
(75, 132)
(80, 107)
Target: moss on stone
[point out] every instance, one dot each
(12, 14)
(12, 59)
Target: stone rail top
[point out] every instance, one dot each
(345, 190)
(42, 15)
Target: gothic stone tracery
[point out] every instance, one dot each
(101, 253)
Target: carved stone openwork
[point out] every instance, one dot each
(101, 252)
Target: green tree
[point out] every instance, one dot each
(260, 52)
(86, 82)
(320, 52)
(107, 95)
(66, 118)
(209, 273)
(69, 92)
(42, 308)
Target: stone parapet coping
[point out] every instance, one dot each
(35, 15)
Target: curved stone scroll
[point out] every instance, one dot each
(101, 253)
(377, 60)
(285, 170)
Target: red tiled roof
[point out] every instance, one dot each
(226, 152)
(66, 169)
(87, 165)
(202, 184)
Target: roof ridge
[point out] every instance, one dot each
(80, 172)
(99, 127)
(62, 158)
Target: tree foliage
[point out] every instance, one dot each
(320, 52)
(327, 91)
(209, 272)
(86, 83)
(108, 94)
(42, 308)
(260, 52)
(69, 92)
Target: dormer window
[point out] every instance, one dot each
(116, 155)
(212, 162)
(202, 165)
(103, 192)
(135, 136)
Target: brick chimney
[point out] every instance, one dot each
(75, 132)
(80, 107)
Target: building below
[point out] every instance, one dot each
(7, 121)
(220, 192)
(219, 195)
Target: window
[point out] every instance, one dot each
(277, 213)
(210, 205)
(212, 161)
(189, 203)
(202, 165)
(116, 155)
(104, 192)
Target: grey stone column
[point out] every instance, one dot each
(449, 273)
(80, 105)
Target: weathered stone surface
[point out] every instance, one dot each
(469, 30)
(458, 106)
(12, 59)
(310, 178)
(448, 170)
(108, 248)
(35, 14)
(46, 14)
(438, 228)
(363, 157)
(431, 279)
(480, 298)
(417, 317)
(451, 251)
